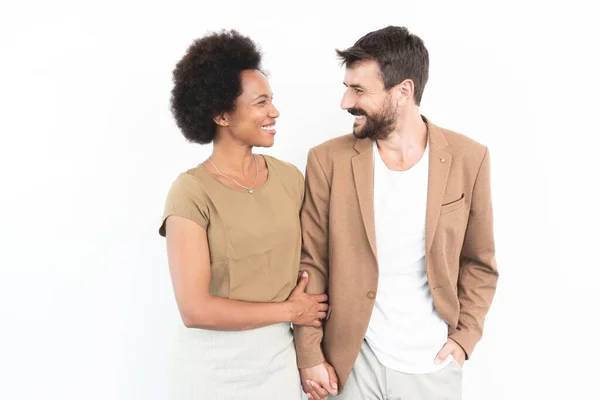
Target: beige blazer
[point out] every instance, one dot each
(339, 248)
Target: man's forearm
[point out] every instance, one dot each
(476, 289)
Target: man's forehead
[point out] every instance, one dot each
(362, 72)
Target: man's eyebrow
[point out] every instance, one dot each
(355, 86)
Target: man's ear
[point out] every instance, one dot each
(405, 91)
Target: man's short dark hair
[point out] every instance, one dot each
(399, 54)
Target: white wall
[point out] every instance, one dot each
(88, 150)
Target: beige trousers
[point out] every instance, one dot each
(370, 380)
(236, 365)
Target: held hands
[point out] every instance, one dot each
(319, 381)
(451, 347)
(306, 309)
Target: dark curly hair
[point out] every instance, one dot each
(208, 80)
(400, 54)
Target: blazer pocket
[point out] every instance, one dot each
(453, 205)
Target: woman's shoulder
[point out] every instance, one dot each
(290, 176)
(281, 167)
(193, 179)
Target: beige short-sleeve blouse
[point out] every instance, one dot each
(254, 239)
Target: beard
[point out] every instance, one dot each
(377, 126)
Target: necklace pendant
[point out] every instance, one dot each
(250, 191)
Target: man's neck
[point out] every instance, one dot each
(404, 146)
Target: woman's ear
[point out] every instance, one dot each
(221, 120)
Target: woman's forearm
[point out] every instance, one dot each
(218, 313)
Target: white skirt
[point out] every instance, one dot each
(222, 365)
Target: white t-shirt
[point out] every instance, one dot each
(405, 332)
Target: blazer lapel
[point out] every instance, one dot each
(362, 167)
(440, 161)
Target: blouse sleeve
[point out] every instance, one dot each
(185, 200)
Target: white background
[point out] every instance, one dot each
(88, 150)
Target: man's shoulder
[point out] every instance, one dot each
(464, 145)
(337, 146)
(461, 141)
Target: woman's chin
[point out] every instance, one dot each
(266, 142)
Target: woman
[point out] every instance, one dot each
(233, 233)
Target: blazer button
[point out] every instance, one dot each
(371, 295)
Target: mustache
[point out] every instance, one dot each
(356, 112)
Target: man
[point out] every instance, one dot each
(397, 229)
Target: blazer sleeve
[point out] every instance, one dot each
(315, 255)
(478, 271)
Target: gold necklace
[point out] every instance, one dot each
(249, 189)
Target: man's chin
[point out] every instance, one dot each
(358, 133)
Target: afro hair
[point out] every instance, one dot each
(207, 80)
